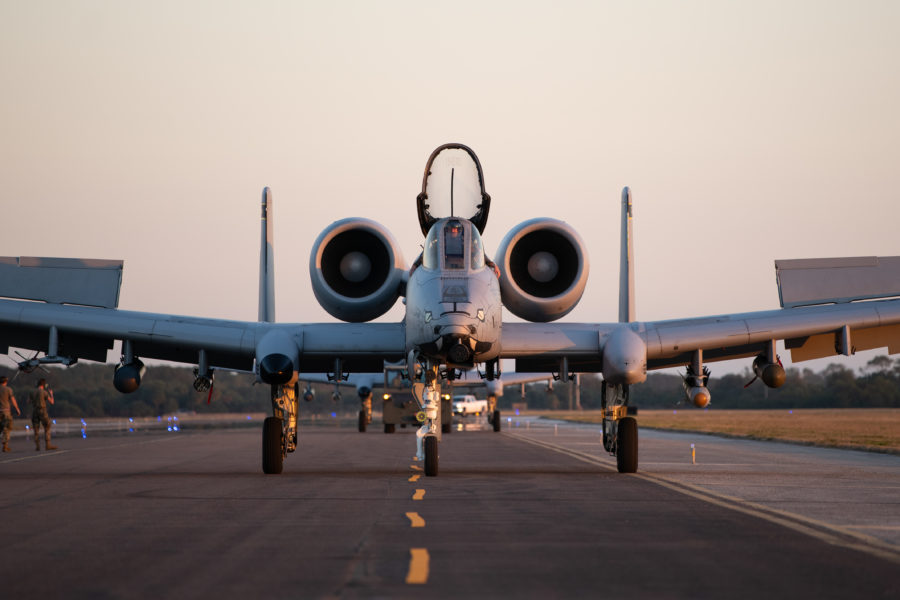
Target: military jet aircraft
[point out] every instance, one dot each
(455, 298)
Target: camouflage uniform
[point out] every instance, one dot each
(6, 421)
(39, 416)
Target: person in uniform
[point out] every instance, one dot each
(39, 399)
(7, 403)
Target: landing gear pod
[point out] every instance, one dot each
(543, 269)
(356, 269)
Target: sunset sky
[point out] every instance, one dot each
(747, 131)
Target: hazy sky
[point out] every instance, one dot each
(748, 132)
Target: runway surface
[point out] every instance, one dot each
(536, 511)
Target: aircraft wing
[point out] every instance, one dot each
(808, 332)
(88, 332)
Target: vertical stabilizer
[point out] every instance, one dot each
(266, 262)
(626, 264)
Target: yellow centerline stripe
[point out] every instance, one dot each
(415, 520)
(834, 535)
(414, 478)
(418, 566)
(415, 467)
(420, 493)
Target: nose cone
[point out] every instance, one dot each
(276, 369)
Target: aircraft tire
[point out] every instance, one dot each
(389, 428)
(272, 454)
(627, 445)
(446, 427)
(362, 421)
(495, 420)
(431, 456)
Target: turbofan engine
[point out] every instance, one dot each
(543, 269)
(356, 269)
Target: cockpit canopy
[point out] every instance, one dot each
(453, 186)
(453, 244)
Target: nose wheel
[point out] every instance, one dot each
(431, 456)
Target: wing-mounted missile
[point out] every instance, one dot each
(453, 186)
(357, 269)
(543, 269)
(696, 378)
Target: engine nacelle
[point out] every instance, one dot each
(543, 269)
(356, 269)
(772, 374)
(127, 377)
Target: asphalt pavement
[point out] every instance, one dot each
(536, 511)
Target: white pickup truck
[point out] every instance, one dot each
(468, 405)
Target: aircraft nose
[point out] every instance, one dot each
(276, 369)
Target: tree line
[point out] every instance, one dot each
(86, 390)
(877, 385)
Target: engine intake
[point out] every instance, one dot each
(356, 269)
(543, 269)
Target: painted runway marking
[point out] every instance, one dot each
(420, 493)
(415, 468)
(415, 520)
(49, 453)
(414, 478)
(42, 455)
(418, 566)
(826, 532)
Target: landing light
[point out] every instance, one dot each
(386, 397)
(428, 316)
(480, 314)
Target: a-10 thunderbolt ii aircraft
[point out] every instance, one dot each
(454, 299)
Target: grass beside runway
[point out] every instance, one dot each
(873, 429)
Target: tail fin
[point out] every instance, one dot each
(266, 262)
(626, 264)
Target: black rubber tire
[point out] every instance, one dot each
(431, 456)
(389, 428)
(446, 427)
(627, 445)
(363, 421)
(272, 454)
(495, 420)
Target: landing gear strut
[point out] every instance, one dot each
(280, 430)
(428, 395)
(620, 432)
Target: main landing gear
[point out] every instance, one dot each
(280, 430)
(620, 432)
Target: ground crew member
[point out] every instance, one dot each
(7, 402)
(39, 399)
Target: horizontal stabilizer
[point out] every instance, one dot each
(811, 281)
(89, 282)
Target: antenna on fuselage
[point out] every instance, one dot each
(626, 262)
(266, 262)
